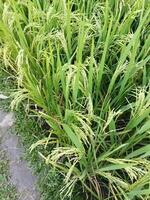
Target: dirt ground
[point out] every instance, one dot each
(20, 175)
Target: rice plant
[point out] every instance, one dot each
(85, 65)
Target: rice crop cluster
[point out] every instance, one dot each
(84, 67)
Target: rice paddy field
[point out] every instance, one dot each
(82, 69)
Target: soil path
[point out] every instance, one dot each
(21, 175)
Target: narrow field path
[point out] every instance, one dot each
(21, 175)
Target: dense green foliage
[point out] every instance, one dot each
(84, 66)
